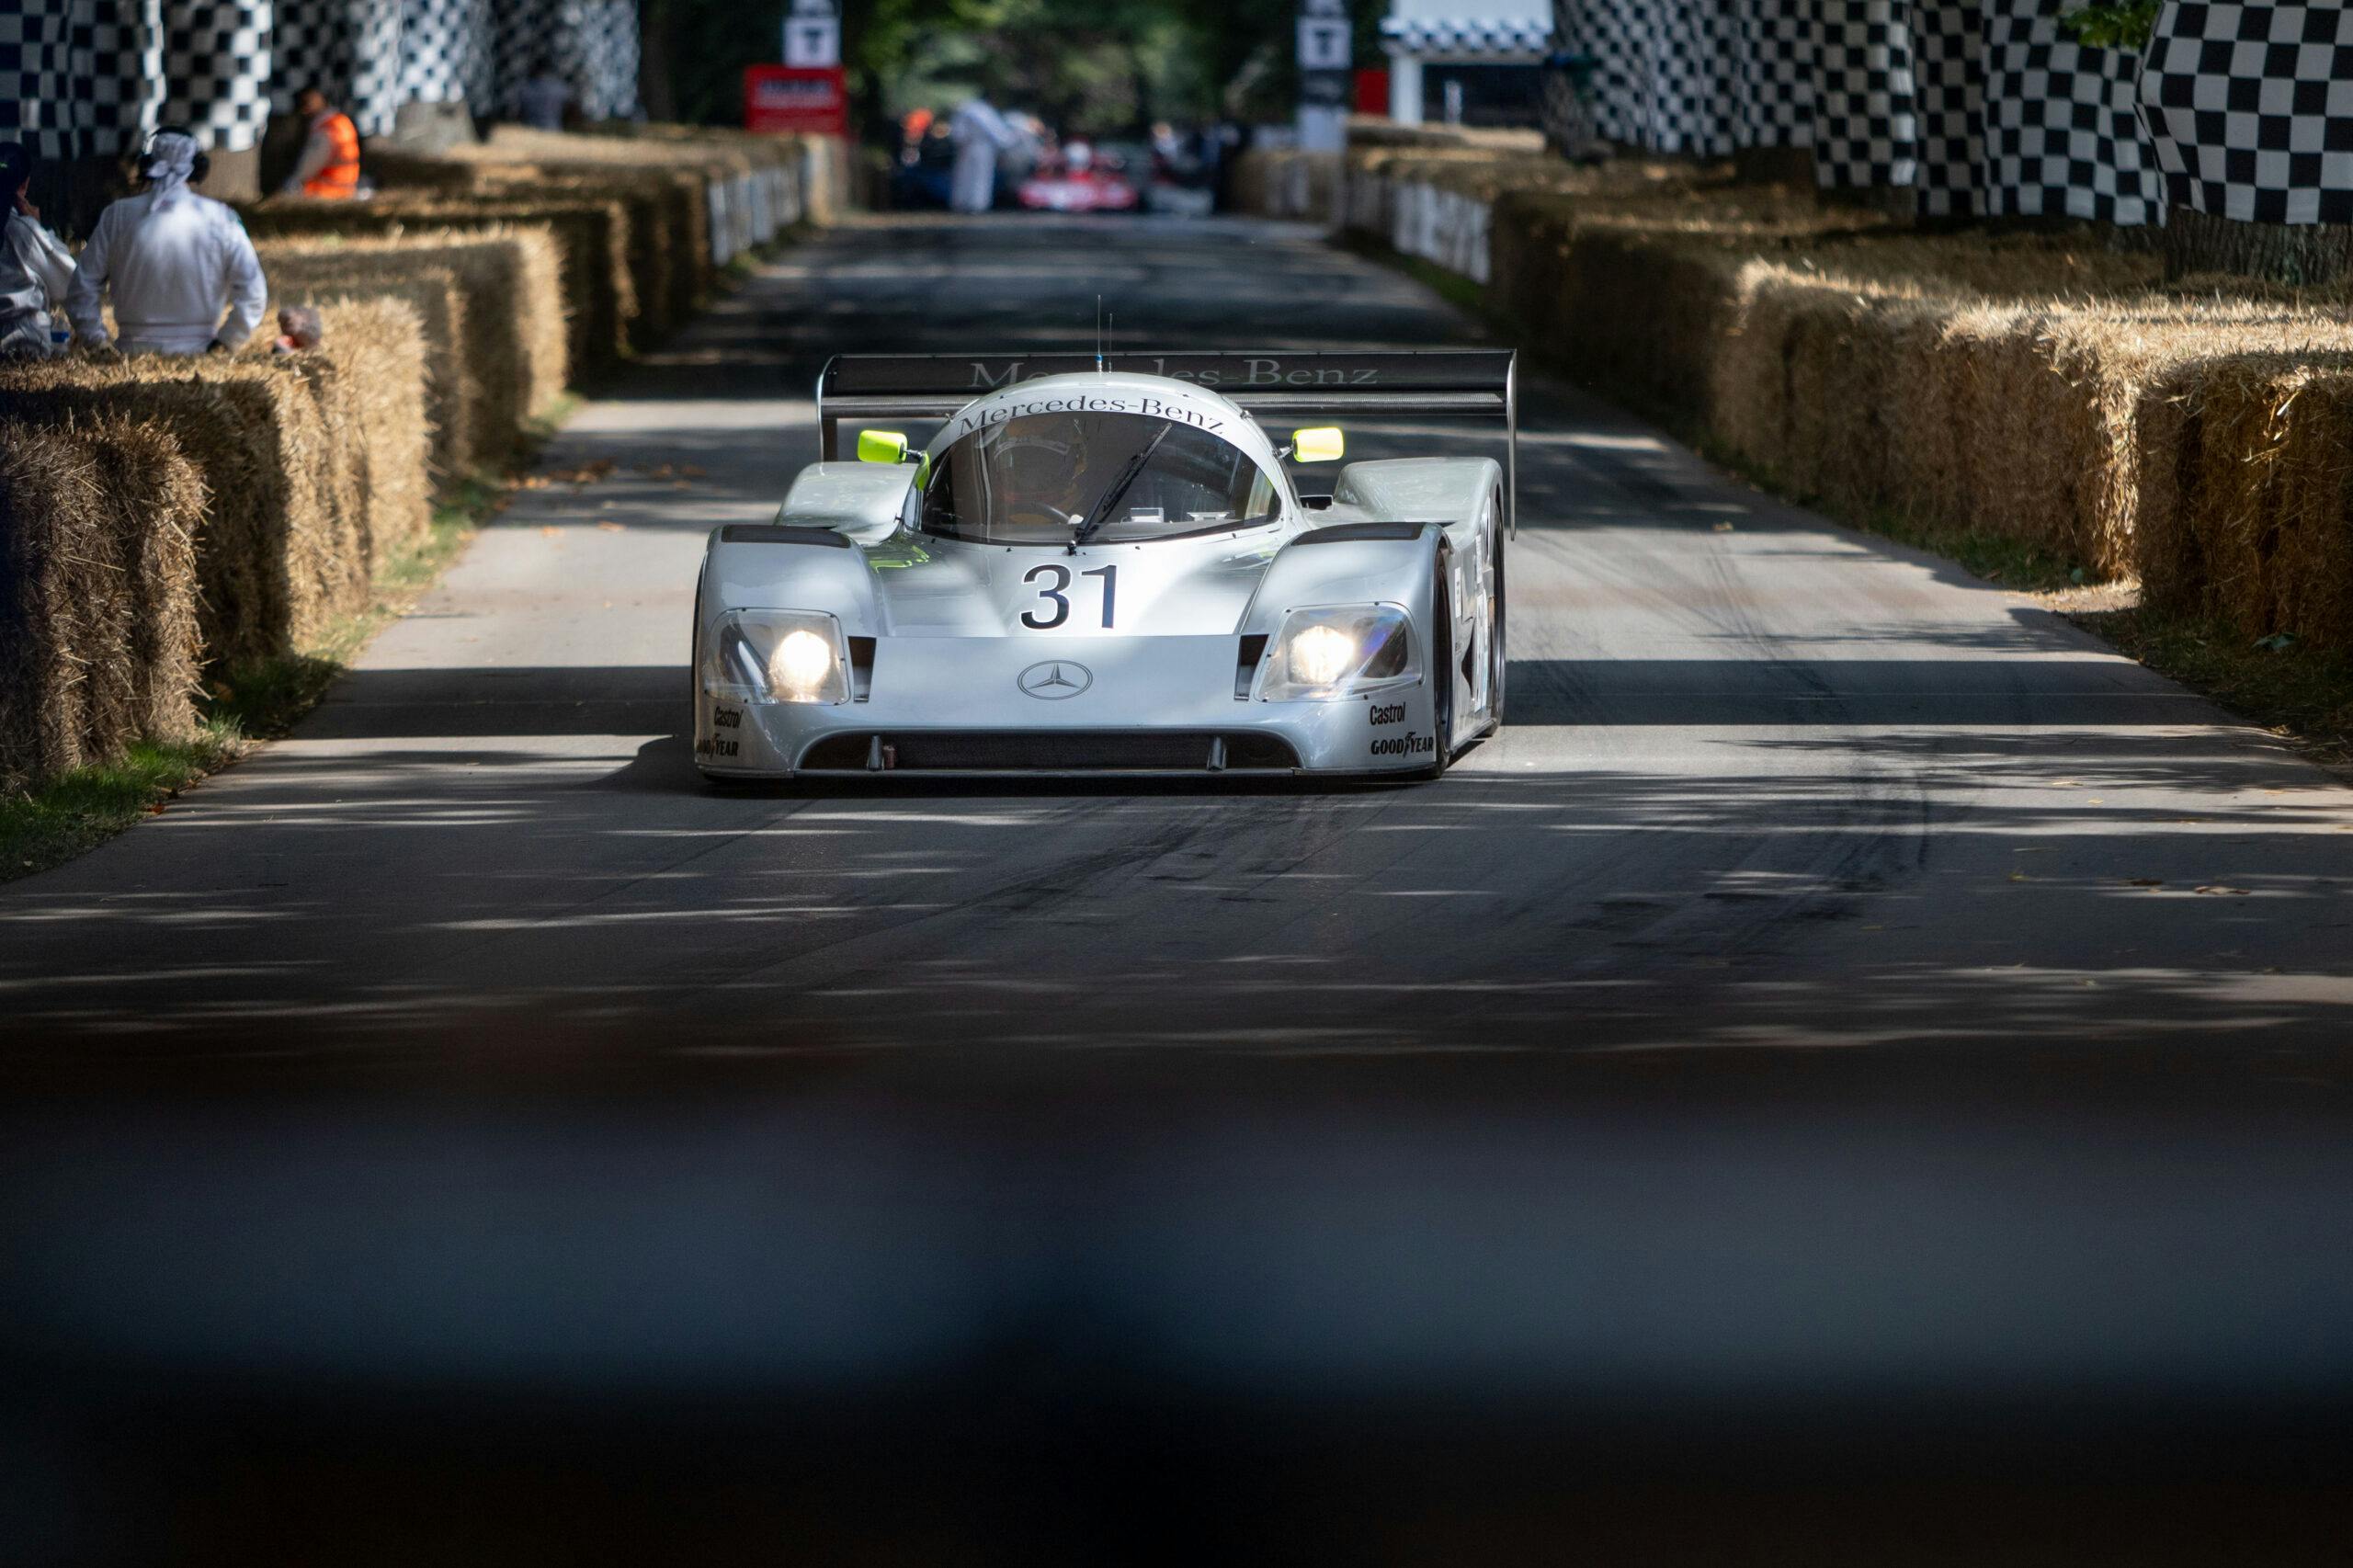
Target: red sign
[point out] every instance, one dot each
(813, 100)
(1372, 92)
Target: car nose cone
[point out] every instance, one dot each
(1054, 679)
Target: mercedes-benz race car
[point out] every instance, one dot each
(1091, 570)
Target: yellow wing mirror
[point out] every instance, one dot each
(1318, 444)
(881, 447)
(890, 447)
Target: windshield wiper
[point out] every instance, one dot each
(1102, 512)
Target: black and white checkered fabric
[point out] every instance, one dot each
(1866, 95)
(82, 78)
(1661, 71)
(1948, 50)
(2063, 137)
(437, 39)
(1772, 49)
(217, 69)
(2251, 109)
(604, 36)
(593, 45)
(1518, 37)
(35, 68)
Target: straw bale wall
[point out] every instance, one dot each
(313, 463)
(591, 235)
(97, 593)
(306, 274)
(2035, 385)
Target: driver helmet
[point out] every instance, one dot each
(1043, 458)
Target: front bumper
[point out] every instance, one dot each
(1061, 705)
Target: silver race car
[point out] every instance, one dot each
(1104, 567)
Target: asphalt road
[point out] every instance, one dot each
(1767, 783)
(1855, 1074)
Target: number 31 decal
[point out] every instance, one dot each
(1057, 579)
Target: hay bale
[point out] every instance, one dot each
(373, 385)
(269, 564)
(591, 235)
(314, 275)
(511, 360)
(98, 616)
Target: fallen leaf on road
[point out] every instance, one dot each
(610, 527)
(2146, 882)
(588, 472)
(2017, 875)
(2096, 801)
(691, 471)
(552, 533)
(1724, 527)
(2236, 893)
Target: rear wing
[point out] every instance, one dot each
(1478, 383)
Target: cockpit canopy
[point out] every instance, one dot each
(1098, 477)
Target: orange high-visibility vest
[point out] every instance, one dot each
(341, 177)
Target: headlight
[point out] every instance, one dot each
(777, 656)
(1327, 653)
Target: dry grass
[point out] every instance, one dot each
(313, 464)
(371, 368)
(592, 236)
(311, 274)
(509, 347)
(2041, 386)
(98, 594)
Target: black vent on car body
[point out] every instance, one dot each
(1344, 533)
(1246, 665)
(1052, 751)
(775, 533)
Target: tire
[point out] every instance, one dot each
(1498, 649)
(1442, 668)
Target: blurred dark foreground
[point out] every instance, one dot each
(923, 1309)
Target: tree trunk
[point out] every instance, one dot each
(2277, 253)
(655, 90)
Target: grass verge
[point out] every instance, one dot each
(78, 810)
(2302, 694)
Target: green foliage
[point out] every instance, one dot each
(2113, 24)
(1089, 67)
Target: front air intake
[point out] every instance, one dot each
(1052, 751)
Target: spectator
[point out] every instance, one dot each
(980, 134)
(544, 96)
(330, 166)
(35, 270)
(173, 260)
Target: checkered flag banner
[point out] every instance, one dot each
(2062, 129)
(80, 78)
(2251, 109)
(216, 70)
(1865, 96)
(89, 78)
(1661, 71)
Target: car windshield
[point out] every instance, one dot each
(1105, 477)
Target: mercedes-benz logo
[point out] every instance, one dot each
(1054, 679)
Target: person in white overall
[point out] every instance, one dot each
(980, 134)
(175, 261)
(35, 267)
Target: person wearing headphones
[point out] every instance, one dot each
(175, 260)
(36, 269)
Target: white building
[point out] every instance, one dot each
(1474, 60)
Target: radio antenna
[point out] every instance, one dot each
(1099, 335)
